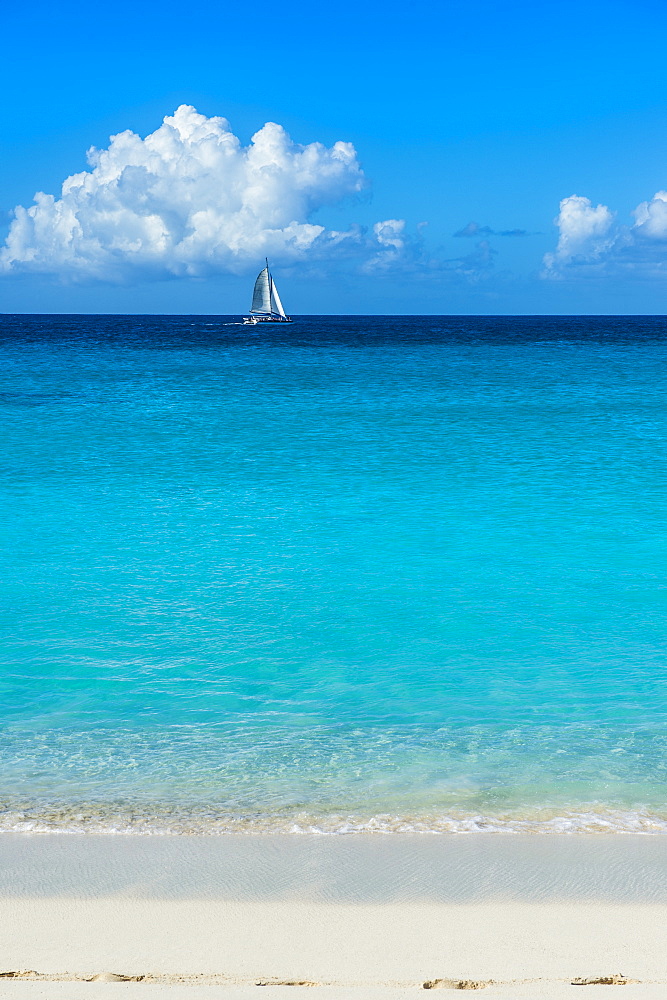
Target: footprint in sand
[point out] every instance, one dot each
(617, 980)
(113, 977)
(456, 984)
(285, 982)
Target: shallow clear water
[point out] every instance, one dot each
(385, 573)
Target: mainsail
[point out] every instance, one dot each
(261, 297)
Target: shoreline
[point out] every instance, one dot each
(154, 819)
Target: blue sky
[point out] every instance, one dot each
(489, 113)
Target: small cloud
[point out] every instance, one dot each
(473, 267)
(393, 247)
(473, 229)
(399, 251)
(390, 233)
(476, 264)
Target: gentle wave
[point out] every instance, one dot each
(97, 818)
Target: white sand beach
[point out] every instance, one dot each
(355, 917)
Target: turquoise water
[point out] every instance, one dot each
(365, 573)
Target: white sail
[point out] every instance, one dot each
(276, 304)
(266, 304)
(261, 297)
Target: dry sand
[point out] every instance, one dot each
(202, 918)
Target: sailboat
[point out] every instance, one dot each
(266, 305)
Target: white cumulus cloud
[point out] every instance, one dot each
(592, 242)
(651, 218)
(189, 199)
(585, 232)
(390, 233)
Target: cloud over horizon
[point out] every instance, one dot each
(592, 242)
(190, 199)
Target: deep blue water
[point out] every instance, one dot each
(394, 572)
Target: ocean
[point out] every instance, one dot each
(355, 574)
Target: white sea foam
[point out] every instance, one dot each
(156, 821)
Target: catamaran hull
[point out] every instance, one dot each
(254, 321)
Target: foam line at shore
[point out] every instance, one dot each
(157, 819)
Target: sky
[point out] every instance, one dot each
(388, 158)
